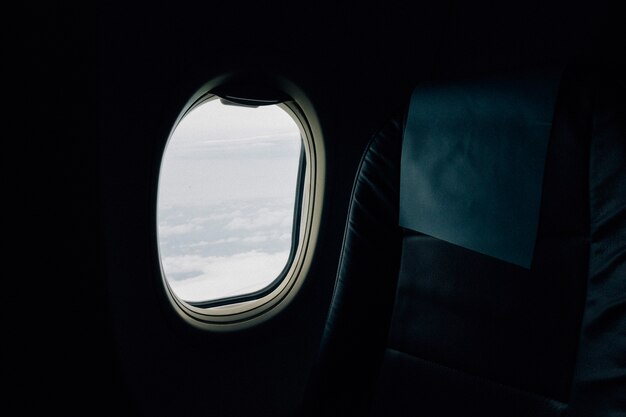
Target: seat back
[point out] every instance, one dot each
(422, 326)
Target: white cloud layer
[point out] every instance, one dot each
(222, 153)
(226, 199)
(166, 230)
(222, 276)
(261, 219)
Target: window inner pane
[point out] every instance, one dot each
(227, 192)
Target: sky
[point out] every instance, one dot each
(226, 200)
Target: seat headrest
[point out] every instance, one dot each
(473, 158)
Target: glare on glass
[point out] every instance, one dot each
(227, 192)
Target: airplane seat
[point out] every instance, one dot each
(483, 268)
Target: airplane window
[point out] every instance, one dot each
(228, 214)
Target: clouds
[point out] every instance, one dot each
(262, 218)
(247, 146)
(222, 153)
(213, 277)
(166, 231)
(235, 247)
(202, 183)
(227, 125)
(226, 200)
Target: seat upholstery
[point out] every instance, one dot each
(418, 326)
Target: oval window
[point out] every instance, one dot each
(230, 198)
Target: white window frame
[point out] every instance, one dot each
(237, 315)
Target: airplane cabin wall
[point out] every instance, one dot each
(357, 67)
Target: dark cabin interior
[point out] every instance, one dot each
(116, 76)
